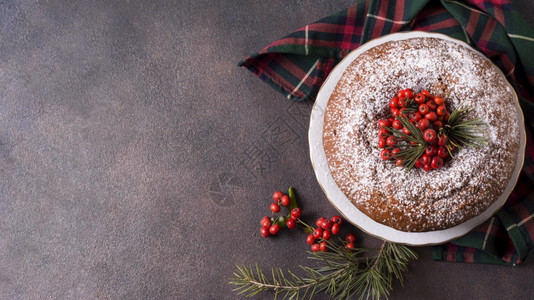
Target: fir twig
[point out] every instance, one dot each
(415, 146)
(342, 274)
(463, 132)
(410, 155)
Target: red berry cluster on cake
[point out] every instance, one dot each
(426, 113)
(445, 115)
(417, 133)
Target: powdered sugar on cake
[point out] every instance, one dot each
(417, 200)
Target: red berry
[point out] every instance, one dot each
(351, 238)
(327, 224)
(423, 124)
(426, 93)
(383, 133)
(326, 235)
(431, 116)
(335, 228)
(381, 143)
(443, 140)
(350, 246)
(416, 116)
(290, 224)
(393, 103)
(296, 212)
(441, 110)
(408, 93)
(319, 222)
(385, 154)
(384, 123)
(431, 150)
(439, 100)
(425, 159)
(274, 207)
(406, 131)
(423, 108)
(265, 222)
(397, 124)
(391, 141)
(419, 98)
(318, 233)
(402, 112)
(427, 167)
(323, 246)
(310, 239)
(395, 112)
(437, 162)
(443, 153)
(315, 247)
(274, 229)
(418, 163)
(394, 152)
(285, 200)
(400, 94)
(437, 125)
(336, 219)
(429, 135)
(431, 105)
(264, 231)
(277, 195)
(402, 102)
(399, 162)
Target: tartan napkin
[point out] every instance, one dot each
(297, 65)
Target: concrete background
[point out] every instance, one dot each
(128, 137)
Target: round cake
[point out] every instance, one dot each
(418, 200)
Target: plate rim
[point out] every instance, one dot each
(425, 238)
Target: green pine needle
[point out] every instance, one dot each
(341, 274)
(409, 152)
(463, 132)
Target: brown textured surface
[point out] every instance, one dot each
(419, 200)
(136, 158)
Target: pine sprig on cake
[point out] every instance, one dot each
(415, 147)
(422, 133)
(463, 132)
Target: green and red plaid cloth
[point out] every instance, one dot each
(297, 65)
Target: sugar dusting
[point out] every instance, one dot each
(417, 200)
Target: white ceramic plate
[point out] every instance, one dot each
(338, 198)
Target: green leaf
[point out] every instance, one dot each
(292, 198)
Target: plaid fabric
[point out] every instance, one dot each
(297, 65)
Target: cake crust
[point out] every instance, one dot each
(417, 200)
